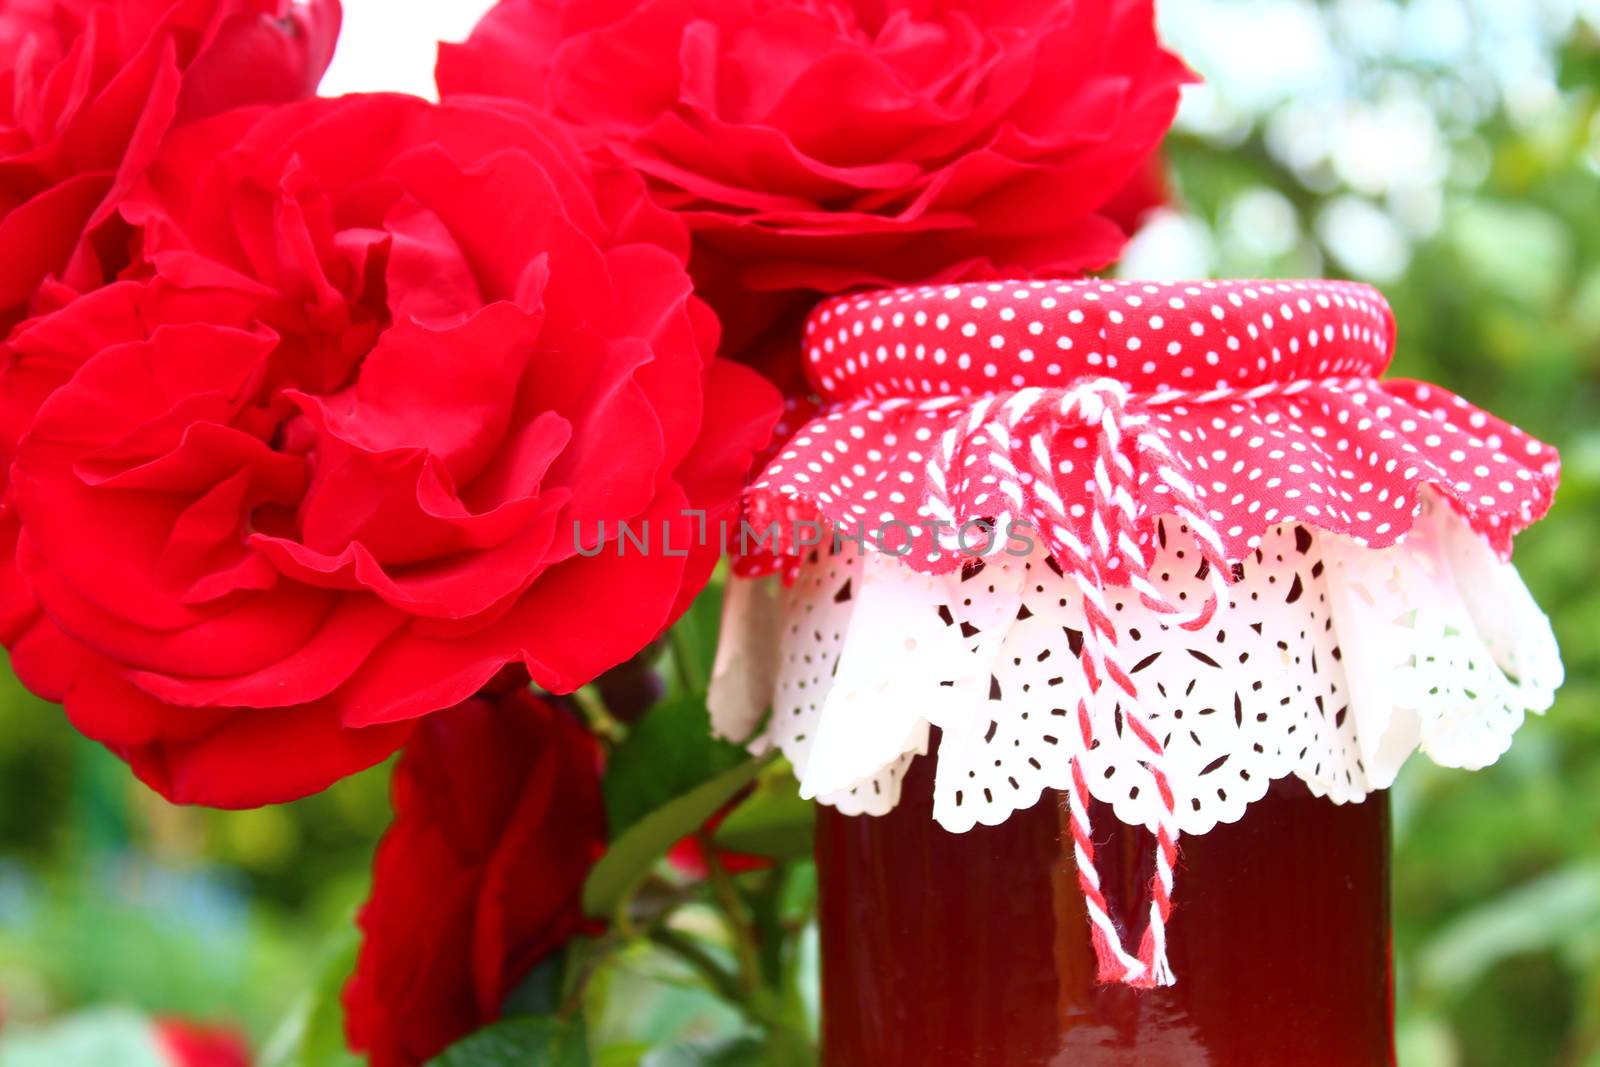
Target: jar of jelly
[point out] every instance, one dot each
(1100, 618)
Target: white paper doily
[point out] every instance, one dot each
(1329, 661)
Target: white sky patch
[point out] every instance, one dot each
(391, 45)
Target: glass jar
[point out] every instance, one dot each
(960, 950)
(1349, 637)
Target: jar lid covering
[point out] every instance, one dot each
(1086, 415)
(982, 338)
(1256, 403)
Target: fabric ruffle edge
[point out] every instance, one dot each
(1347, 457)
(1329, 661)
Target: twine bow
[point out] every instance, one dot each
(1114, 556)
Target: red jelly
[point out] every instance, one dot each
(973, 949)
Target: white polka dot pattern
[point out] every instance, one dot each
(964, 340)
(1264, 394)
(1078, 414)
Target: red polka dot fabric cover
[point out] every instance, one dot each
(1265, 393)
(1352, 525)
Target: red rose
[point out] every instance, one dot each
(688, 856)
(819, 145)
(1147, 190)
(498, 818)
(320, 472)
(186, 1045)
(87, 90)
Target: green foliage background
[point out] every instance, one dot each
(1497, 293)
(1488, 246)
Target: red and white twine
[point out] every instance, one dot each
(1116, 556)
(970, 404)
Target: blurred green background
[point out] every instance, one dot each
(1446, 150)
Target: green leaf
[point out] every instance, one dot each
(724, 1052)
(774, 821)
(622, 1055)
(666, 754)
(636, 850)
(693, 642)
(520, 1042)
(540, 992)
(777, 1048)
(313, 1033)
(1559, 911)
